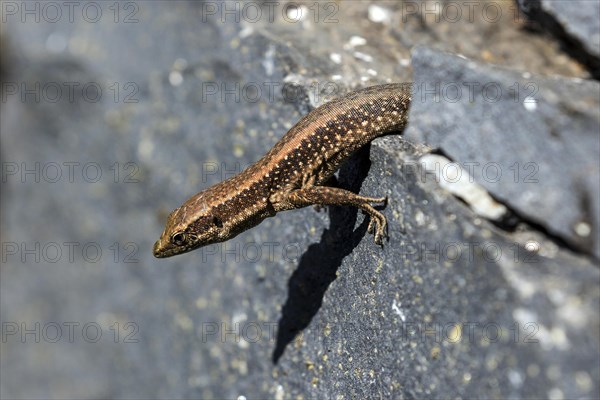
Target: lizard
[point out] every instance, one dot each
(295, 173)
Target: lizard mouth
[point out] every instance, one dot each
(161, 250)
(157, 250)
(164, 249)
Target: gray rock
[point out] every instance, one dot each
(575, 23)
(579, 19)
(531, 141)
(304, 304)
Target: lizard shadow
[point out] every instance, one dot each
(318, 266)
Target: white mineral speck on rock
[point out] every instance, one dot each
(269, 60)
(398, 310)
(583, 229)
(357, 41)
(530, 103)
(515, 377)
(296, 13)
(246, 31)
(279, 393)
(379, 14)
(555, 394)
(145, 149)
(363, 56)
(532, 246)
(457, 181)
(175, 78)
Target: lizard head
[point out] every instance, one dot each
(188, 227)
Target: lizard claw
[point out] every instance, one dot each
(378, 223)
(381, 232)
(378, 227)
(371, 227)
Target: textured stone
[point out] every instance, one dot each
(573, 23)
(580, 19)
(304, 304)
(532, 142)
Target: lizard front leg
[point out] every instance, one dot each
(325, 195)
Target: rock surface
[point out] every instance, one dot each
(575, 23)
(580, 20)
(304, 305)
(531, 141)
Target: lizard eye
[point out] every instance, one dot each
(178, 238)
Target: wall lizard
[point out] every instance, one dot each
(294, 173)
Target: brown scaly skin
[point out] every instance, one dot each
(292, 173)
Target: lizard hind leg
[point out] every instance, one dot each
(325, 195)
(331, 182)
